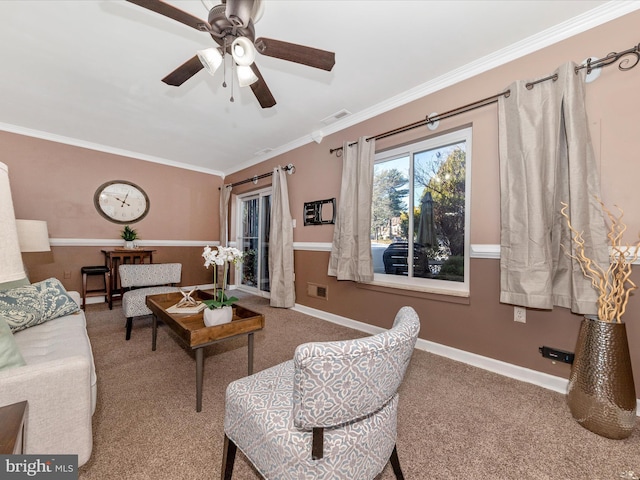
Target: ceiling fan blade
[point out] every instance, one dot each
(261, 91)
(174, 13)
(184, 72)
(313, 57)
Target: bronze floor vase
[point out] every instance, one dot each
(601, 393)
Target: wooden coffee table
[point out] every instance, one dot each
(191, 329)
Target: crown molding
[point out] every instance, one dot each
(75, 142)
(593, 18)
(588, 20)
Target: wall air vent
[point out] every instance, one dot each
(317, 291)
(264, 151)
(335, 117)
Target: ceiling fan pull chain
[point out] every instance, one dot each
(232, 76)
(224, 64)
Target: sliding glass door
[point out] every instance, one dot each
(253, 239)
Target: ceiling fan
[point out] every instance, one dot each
(231, 25)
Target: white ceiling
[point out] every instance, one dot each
(88, 72)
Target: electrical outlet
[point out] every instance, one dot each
(520, 314)
(67, 274)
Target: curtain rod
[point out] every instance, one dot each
(291, 169)
(590, 65)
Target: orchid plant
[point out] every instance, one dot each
(220, 257)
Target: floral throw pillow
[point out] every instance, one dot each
(31, 305)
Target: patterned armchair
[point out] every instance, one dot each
(330, 413)
(142, 279)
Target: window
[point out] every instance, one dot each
(253, 239)
(420, 215)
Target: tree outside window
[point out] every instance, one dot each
(389, 201)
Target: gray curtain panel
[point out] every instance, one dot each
(225, 194)
(351, 248)
(546, 157)
(281, 273)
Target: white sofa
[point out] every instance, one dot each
(59, 384)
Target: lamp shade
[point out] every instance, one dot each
(11, 268)
(33, 236)
(210, 58)
(243, 51)
(246, 76)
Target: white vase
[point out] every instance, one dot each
(217, 316)
(129, 244)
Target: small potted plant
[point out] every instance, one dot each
(129, 235)
(220, 308)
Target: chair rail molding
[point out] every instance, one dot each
(111, 242)
(485, 250)
(477, 250)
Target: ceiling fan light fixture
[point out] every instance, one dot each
(246, 76)
(243, 51)
(238, 12)
(211, 59)
(257, 11)
(232, 21)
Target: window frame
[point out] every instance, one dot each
(445, 287)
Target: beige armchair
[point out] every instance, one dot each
(142, 279)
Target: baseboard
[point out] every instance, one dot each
(544, 380)
(97, 299)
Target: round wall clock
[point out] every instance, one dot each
(120, 201)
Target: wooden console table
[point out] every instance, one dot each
(113, 258)
(12, 428)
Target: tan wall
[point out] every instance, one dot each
(56, 182)
(481, 325)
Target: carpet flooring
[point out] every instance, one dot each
(455, 421)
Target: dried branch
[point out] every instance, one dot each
(613, 286)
